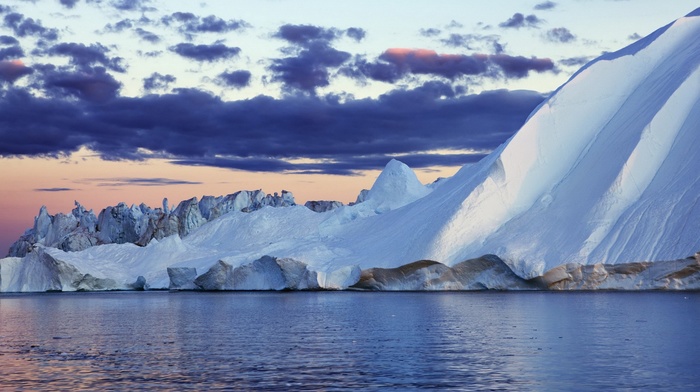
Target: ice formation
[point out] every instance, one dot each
(137, 224)
(599, 189)
(604, 171)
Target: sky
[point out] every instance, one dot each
(108, 101)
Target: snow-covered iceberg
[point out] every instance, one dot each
(599, 189)
(606, 170)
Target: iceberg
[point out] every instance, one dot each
(604, 171)
(39, 271)
(137, 224)
(599, 189)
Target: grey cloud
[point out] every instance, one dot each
(210, 53)
(547, 5)
(236, 79)
(158, 81)
(54, 189)
(560, 34)
(519, 20)
(137, 181)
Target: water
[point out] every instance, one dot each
(350, 340)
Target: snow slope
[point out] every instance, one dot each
(607, 170)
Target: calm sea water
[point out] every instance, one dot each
(350, 340)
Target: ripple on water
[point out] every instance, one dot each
(345, 340)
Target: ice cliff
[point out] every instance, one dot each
(600, 189)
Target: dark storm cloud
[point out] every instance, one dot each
(157, 81)
(236, 79)
(262, 133)
(84, 56)
(10, 71)
(68, 3)
(312, 59)
(5, 9)
(189, 23)
(547, 5)
(28, 27)
(213, 52)
(309, 69)
(519, 20)
(7, 40)
(397, 63)
(11, 53)
(89, 84)
(560, 34)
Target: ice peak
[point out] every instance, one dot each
(396, 185)
(395, 176)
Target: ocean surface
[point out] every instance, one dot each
(350, 341)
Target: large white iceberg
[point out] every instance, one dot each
(607, 170)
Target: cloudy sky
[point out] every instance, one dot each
(104, 101)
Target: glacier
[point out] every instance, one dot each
(599, 189)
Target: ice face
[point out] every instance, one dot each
(600, 167)
(604, 171)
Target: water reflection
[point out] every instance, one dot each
(283, 341)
